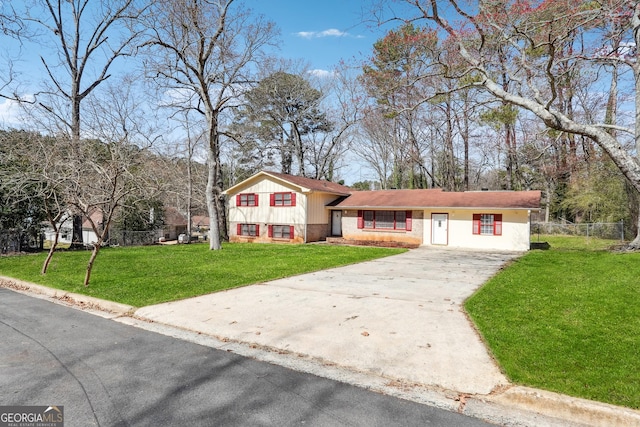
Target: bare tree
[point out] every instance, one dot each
(541, 43)
(375, 145)
(202, 52)
(180, 162)
(110, 171)
(42, 159)
(86, 38)
(344, 108)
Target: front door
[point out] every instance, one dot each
(439, 227)
(336, 223)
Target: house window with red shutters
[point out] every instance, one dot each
(281, 231)
(385, 220)
(283, 199)
(250, 230)
(247, 199)
(487, 224)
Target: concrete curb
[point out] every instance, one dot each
(69, 298)
(572, 409)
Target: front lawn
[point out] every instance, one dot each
(567, 320)
(147, 275)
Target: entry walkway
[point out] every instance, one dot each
(398, 317)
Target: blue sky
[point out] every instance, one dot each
(321, 33)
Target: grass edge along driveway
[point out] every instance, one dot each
(567, 320)
(146, 275)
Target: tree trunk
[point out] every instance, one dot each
(214, 232)
(102, 237)
(213, 191)
(450, 173)
(189, 193)
(299, 149)
(635, 243)
(94, 254)
(465, 139)
(221, 205)
(54, 245)
(76, 237)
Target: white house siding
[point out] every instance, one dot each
(515, 229)
(317, 212)
(66, 232)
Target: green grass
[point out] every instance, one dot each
(147, 275)
(567, 320)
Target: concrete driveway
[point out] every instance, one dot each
(398, 317)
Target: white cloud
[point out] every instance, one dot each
(306, 34)
(331, 32)
(322, 73)
(177, 96)
(10, 113)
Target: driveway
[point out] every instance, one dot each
(398, 317)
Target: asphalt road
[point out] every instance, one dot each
(106, 373)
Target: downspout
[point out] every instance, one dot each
(530, 226)
(306, 215)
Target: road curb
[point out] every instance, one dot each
(572, 409)
(70, 298)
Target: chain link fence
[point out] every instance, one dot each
(601, 230)
(10, 242)
(132, 238)
(15, 241)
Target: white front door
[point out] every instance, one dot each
(336, 223)
(439, 227)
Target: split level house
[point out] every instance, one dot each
(276, 207)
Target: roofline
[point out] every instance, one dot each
(305, 189)
(281, 180)
(277, 178)
(256, 175)
(431, 207)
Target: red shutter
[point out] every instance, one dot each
(270, 231)
(257, 230)
(409, 220)
(476, 223)
(238, 200)
(360, 220)
(256, 199)
(497, 225)
(272, 199)
(291, 231)
(293, 199)
(239, 229)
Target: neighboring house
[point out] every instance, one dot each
(175, 223)
(200, 226)
(200, 223)
(66, 230)
(89, 236)
(278, 207)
